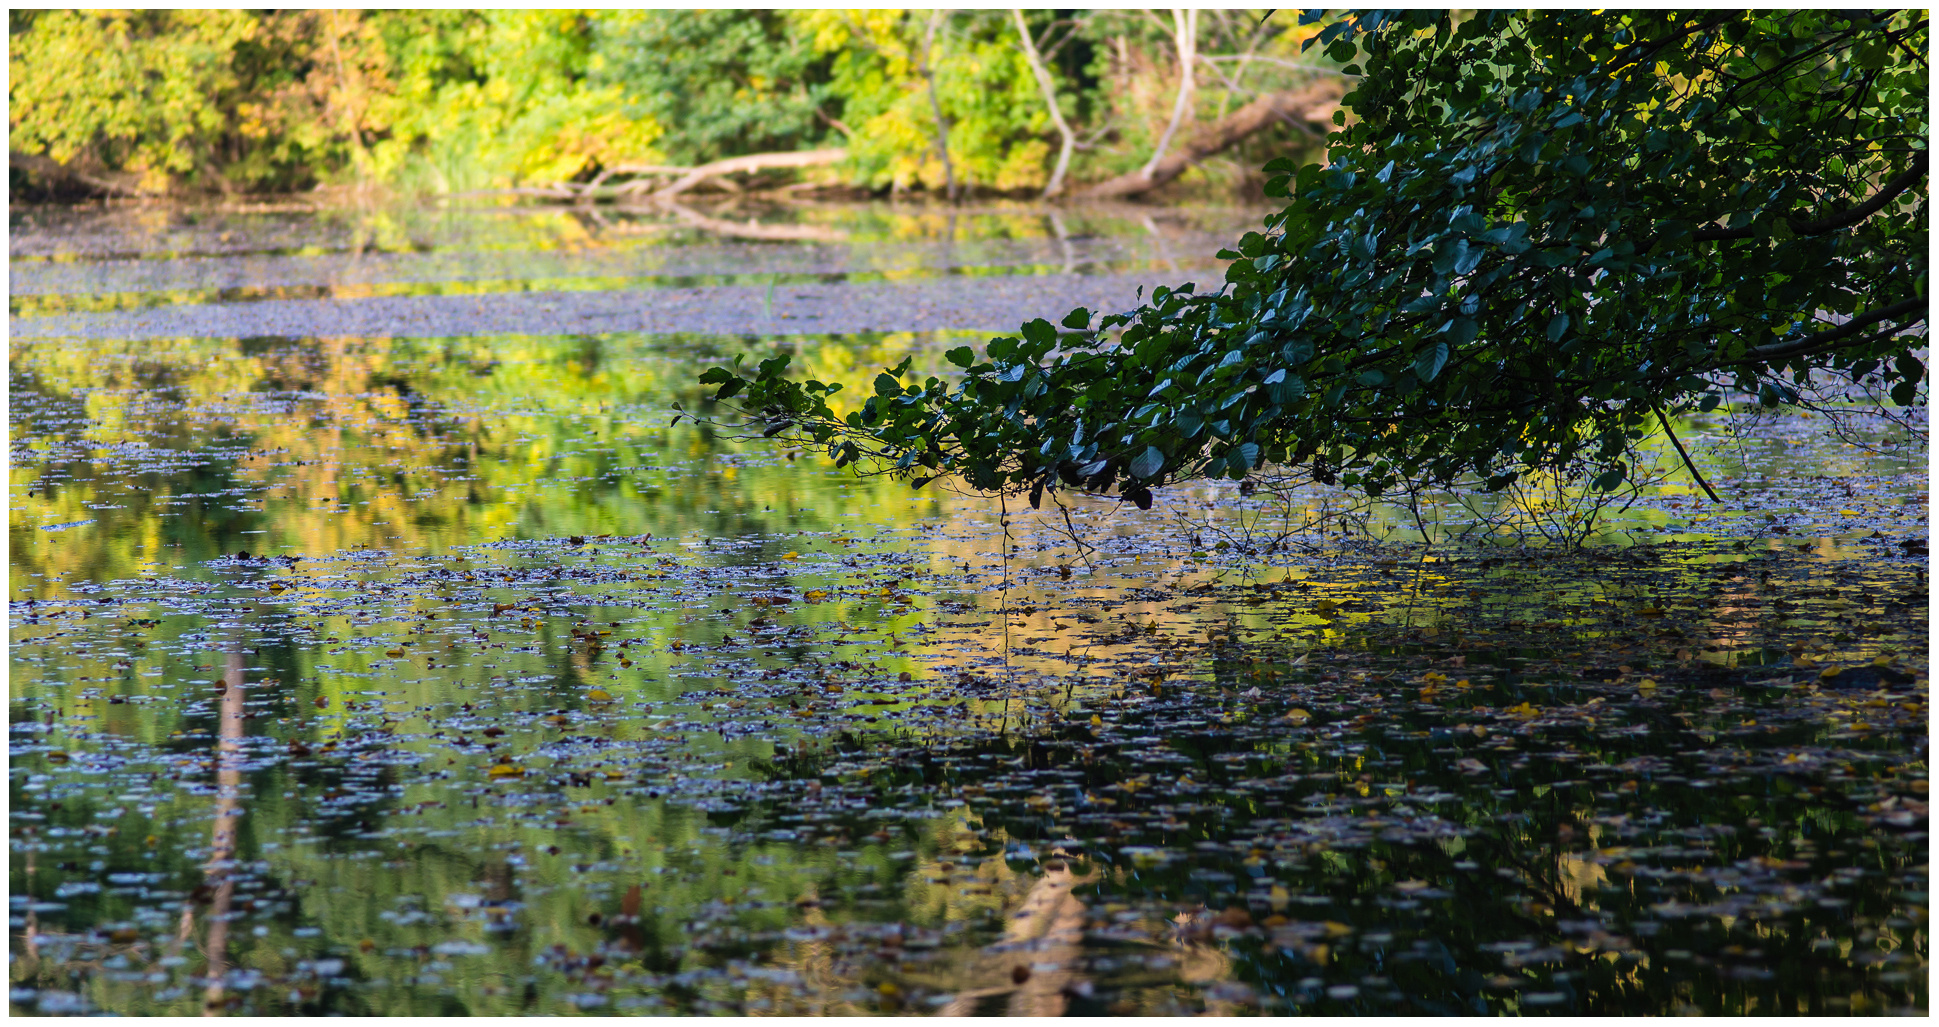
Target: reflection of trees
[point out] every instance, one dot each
(1047, 929)
(222, 835)
(398, 442)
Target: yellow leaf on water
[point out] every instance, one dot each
(1097, 721)
(815, 595)
(790, 555)
(506, 770)
(599, 695)
(1298, 716)
(1646, 684)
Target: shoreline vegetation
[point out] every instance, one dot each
(642, 107)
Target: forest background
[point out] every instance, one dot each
(445, 102)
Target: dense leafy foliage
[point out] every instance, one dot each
(1541, 232)
(726, 82)
(276, 100)
(443, 101)
(165, 93)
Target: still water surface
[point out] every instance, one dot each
(378, 647)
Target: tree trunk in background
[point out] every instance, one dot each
(751, 162)
(1185, 26)
(1310, 109)
(942, 125)
(1049, 89)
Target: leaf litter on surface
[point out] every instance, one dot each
(479, 697)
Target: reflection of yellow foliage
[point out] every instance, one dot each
(339, 454)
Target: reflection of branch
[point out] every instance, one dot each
(754, 230)
(222, 842)
(1048, 928)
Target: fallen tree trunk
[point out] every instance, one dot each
(54, 174)
(1310, 109)
(751, 162)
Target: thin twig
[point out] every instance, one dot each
(1685, 454)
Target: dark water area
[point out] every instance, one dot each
(379, 647)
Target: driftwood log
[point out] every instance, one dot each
(751, 163)
(1310, 109)
(54, 175)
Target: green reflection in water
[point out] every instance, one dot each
(487, 748)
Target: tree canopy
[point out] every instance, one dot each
(449, 101)
(730, 82)
(1539, 233)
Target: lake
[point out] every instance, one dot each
(454, 678)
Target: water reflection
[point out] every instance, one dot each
(222, 839)
(533, 703)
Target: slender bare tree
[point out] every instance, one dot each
(936, 17)
(1185, 33)
(1049, 89)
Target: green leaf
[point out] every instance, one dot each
(1428, 365)
(961, 356)
(1496, 178)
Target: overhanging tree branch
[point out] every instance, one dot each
(1818, 342)
(1644, 51)
(1886, 194)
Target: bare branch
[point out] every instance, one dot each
(1049, 89)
